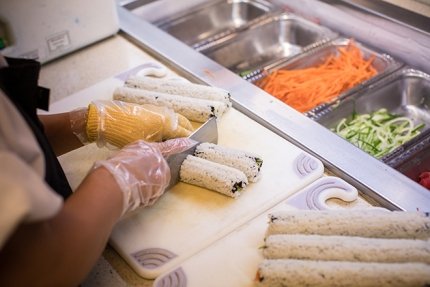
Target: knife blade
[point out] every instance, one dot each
(208, 132)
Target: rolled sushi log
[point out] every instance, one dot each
(213, 176)
(179, 88)
(197, 110)
(355, 222)
(249, 163)
(346, 248)
(290, 272)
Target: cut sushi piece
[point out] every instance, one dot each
(250, 164)
(346, 248)
(370, 222)
(291, 272)
(179, 88)
(197, 110)
(213, 176)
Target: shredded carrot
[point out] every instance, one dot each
(304, 89)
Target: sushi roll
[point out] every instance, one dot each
(346, 248)
(197, 110)
(213, 176)
(179, 88)
(291, 272)
(250, 164)
(356, 222)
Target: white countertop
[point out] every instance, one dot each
(90, 65)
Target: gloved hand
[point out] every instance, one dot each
(141, 171)
(120, 123)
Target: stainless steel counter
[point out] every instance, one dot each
(374, 178)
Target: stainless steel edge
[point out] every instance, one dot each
(392, 12)
(133, 4)
(376, 180)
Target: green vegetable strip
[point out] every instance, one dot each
(378, 133)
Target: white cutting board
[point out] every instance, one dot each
(233, 260)
(187, 218)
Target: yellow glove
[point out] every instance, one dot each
(120, 123)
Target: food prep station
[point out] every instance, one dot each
(190, 233)
(233, 44)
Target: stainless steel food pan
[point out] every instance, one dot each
(264, 43)
(383, 63)
(414, 158)
(405, 92)
(214, 19)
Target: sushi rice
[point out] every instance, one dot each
(179, 88)
(213, 176)
(197, 110)
(250, 164)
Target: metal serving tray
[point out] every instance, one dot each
(215, 19)
(266, 42)
(405, 92)
(383, 63)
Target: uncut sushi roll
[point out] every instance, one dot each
(250, 164)
(179, 88)
(213, 176)
(292, 272)
(346, 248)
(355, 222)
(197, 110)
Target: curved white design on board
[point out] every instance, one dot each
(329, 187)
(153, 69)
(153, 258)
(306, 164)
(176, 278)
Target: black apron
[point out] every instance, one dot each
(19, 83)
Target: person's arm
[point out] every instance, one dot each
(61, 251)
(59, 133)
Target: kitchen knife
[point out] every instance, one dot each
(208, 132)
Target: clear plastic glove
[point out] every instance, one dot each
(78, 124)
(141, 171)
(119, 123)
